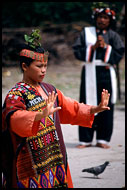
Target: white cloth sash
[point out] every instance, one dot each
(90, 71)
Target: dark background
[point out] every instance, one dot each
(27, 14)
(59, 23)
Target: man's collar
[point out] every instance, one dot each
(101, 31)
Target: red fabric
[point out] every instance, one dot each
(22, 121)
(69, 179)
(73, 112)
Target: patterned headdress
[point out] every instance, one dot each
(33, 42)
(107, 11)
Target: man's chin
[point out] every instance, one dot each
(101, 26)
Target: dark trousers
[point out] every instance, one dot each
(103, 122)
(103, 125)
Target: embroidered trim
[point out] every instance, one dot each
(43, 57)
(107, 53)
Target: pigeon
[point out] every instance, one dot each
(97, 169)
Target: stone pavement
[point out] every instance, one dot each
(114, 175)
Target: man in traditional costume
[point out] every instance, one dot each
(101, 49)
(32, 113)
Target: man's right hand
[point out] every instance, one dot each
(99, 43)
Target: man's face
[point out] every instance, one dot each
(102, 21)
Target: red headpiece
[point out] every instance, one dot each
(33, 41)
(43, 57)
(107, 11)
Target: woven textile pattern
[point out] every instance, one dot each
(40, 161)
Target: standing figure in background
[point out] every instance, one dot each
(101, 49)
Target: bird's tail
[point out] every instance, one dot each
(84, 170)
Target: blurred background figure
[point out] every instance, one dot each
(101, 49)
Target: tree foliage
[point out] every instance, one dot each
(27, 14)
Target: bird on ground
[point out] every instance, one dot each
(97, 169)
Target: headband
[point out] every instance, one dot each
(107, 11)
(43, 57)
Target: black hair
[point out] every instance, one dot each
(28, 60)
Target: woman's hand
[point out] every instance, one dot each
(50, 104)
(49, 107)
(104, 101)
(103, 104)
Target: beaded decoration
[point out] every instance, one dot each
(107, 11)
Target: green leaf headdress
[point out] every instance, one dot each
(33, 39)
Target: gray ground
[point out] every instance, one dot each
(67, 79)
